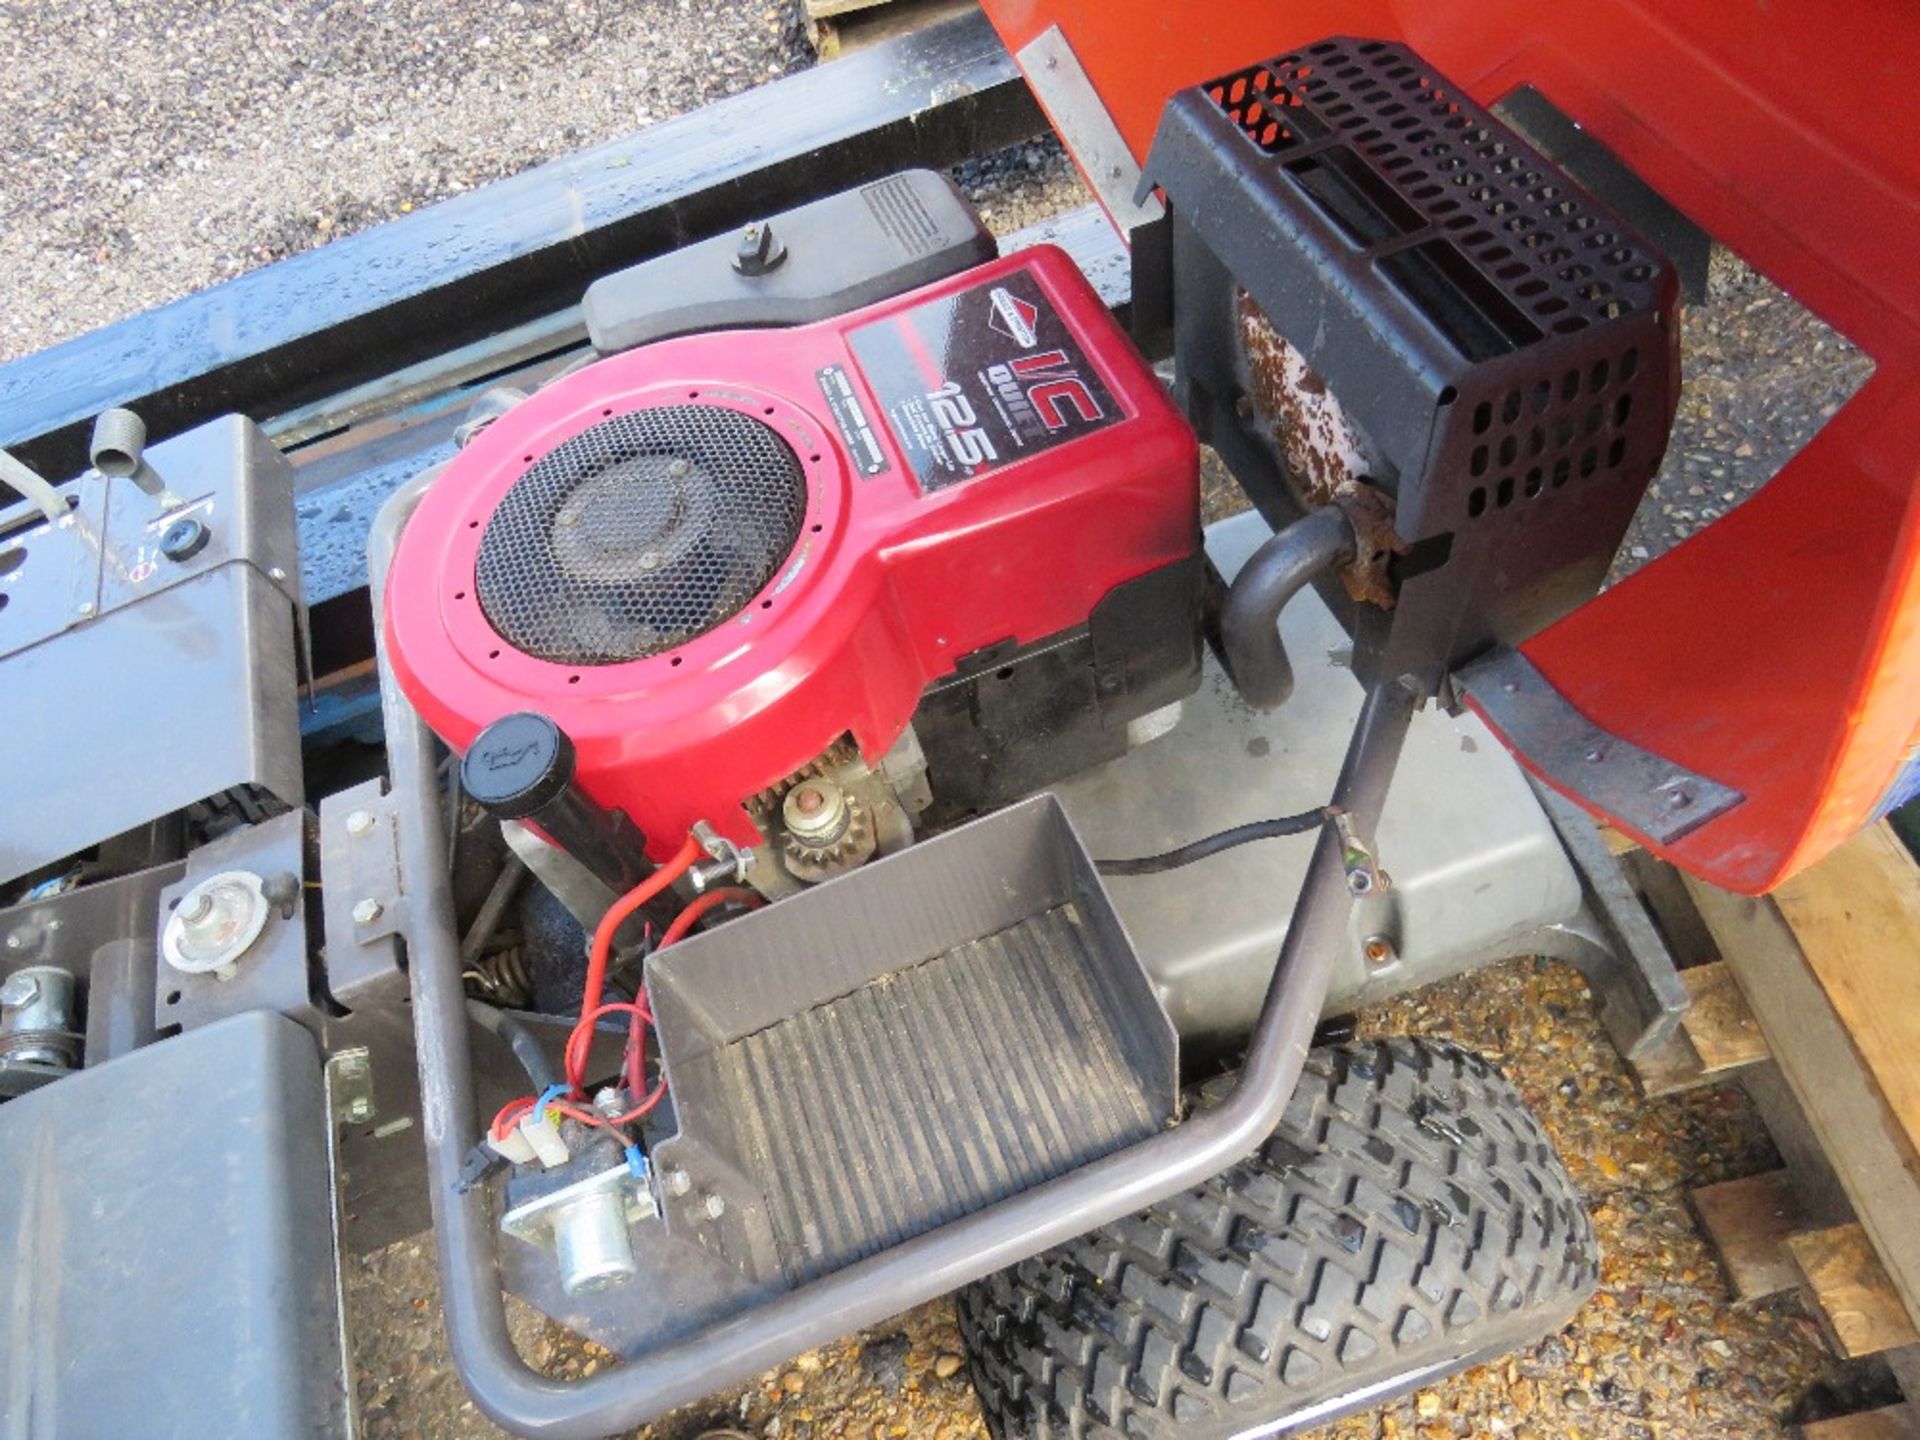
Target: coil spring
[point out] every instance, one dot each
(502, 977)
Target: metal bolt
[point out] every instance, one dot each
(359, 823)
(1678, 799)
(1595, 756)
(716, 1206)
(678, 1182)
(809, 801)
(1359, 881)
(359, 1109)
(276, 573)
(1379, 950)
(25, 937)
(365, 912)
(84, 608)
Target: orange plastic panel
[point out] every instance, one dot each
(1778, 651)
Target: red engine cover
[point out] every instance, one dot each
(984, 459)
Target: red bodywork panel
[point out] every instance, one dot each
(1778, 651)
(889, 584)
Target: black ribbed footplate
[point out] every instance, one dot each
(932, 1091)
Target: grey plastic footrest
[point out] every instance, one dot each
(909, 1044)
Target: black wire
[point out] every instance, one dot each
(526, 1045)
(1299, 824)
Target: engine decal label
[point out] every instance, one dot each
(850, 419)
(981, 378)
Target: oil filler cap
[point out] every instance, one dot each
(518, 765)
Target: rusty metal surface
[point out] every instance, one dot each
(1326, 458)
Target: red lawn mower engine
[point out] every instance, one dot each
(800, 586)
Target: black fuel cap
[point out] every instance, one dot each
(517, 765)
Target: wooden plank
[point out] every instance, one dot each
(1896, 1422)
(1852, 1291)
(823, 9)
(1716, 1037)
(857, 29)
(1857, 917)
(1618, 842)
(1672, 1067)
(1871, 1152)
(1749, 1222)
(1724, 1033)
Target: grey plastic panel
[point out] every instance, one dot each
(167, 1223)
(842, 252)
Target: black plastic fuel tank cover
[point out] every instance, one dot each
(833, 255)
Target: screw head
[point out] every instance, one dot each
(359, 823)
(359, 1109)
(715, 1207)
(1379, 950)
(84, 608)
(365, 912)
(276, 573)
(678, 1182)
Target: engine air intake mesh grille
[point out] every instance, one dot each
(639, 534)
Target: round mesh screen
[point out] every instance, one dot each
(639, 533)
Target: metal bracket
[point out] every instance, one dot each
(533, 1220)
(1644, 792)
(361, 898)
(350, 1086)
(1055, 75)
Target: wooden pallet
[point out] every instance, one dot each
(1812, 998)
(1830, 967)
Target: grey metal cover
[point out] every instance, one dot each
(166, 1238)
(907, 1044)
(136, 685)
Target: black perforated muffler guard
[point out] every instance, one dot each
(1506, 342)
(639, 534)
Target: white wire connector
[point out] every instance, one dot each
(516, 1149)
(543, 1136)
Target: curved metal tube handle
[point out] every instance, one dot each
(1250, 625)
(731, 1350)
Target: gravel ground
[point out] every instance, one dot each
(155, 148)
(161, 146)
